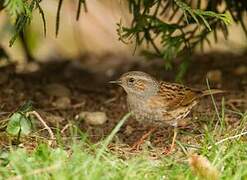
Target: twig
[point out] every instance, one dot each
(214, 103)
(44, 123)
(3, 113)
(232, 101)
(229, 138)
(65, 127)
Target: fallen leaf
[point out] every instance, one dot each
(202, 167)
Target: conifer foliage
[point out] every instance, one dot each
(169, 27)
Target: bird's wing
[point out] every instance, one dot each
(171, 95)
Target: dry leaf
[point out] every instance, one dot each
(202, 167)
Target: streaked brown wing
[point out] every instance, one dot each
(171, 95)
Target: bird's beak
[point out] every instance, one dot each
(115, 82)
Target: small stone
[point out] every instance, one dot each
(62, 102)
(214, 76)
(184, 122)
(31, 67)
(240, 70)
(57, 90)
(93, 118)
(128, 130)
(9, 91)
(3, 78)
(53, 120)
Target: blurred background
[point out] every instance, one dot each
(94, 33)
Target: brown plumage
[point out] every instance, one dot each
(158, 102)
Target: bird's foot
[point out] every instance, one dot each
(172, 147)
(168, 151)
(136, 146)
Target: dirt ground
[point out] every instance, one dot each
(62, 89)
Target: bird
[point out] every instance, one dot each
(158, 103)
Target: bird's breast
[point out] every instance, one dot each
(142, 111)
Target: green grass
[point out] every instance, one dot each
(82, 160)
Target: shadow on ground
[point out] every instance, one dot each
(61, 90)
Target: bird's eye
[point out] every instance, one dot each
(131, 80)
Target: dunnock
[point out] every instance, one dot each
(158, 103)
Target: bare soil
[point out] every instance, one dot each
(85, 85)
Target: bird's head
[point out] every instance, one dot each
(138, 83)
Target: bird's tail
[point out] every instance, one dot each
(212, 91)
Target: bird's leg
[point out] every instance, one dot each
(169, 151)
(138, 143)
